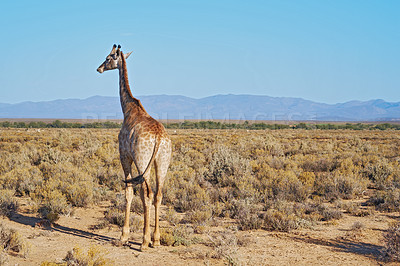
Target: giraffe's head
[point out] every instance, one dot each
(113, 59)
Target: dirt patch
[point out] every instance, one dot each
(328, 243)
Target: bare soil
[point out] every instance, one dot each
(328, 243)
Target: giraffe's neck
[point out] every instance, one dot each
(125, 94)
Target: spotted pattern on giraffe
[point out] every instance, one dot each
(142, 142)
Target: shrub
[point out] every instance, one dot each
(53, 205)
(225, 245)
(388, 201)
(284, 216)
(115, 216)
(350, 207)
(135, 223)
(176, 236)
(200, 218)
(226, 167)
(182, 235)
(12, 241)
(380, 173)
(328, 213)
(336, 185)
(279, 221)
(8, 204)
(392, 242)
(95, 256)
(166, 237)
(171, 216)
(189, 196)
(246, 214)
(356, 230)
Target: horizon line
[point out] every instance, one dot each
(228, 94)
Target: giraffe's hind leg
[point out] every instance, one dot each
(146, 195)
(127, 167)
(161, 166)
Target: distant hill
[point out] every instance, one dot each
(232, 107)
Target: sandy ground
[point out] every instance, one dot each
(328, 243)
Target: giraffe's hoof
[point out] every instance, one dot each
(124, 239)
(117, 243)
(144, 247)
(156, 243)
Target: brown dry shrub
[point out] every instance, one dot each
(225, 246)
(388, 201)
(381, 173)
(95, 255)
(246, 213)
(285, 216)
(8, 204)
(177, 236)
(334, 186)
(392, 242)
(226, 167)
(12, 241)
(200, 218)
(53, 204)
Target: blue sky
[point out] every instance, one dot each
(327, 51)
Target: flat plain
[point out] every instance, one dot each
(238, 197)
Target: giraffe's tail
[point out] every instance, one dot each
(140, 178)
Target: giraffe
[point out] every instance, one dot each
(142, 141)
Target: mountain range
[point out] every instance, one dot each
(221, 107)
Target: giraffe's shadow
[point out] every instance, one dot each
(33, 221)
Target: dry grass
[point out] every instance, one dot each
(273, 180)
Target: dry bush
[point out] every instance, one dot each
(380, 173)
(225, 245)
(8, 204)
(329, 213)
(246, 213)
(280, 221)
(199, 218)
(12, 241)
(171, 216)
(211, 172)
(183, 191)
(226, 167)
(53, 204)
(285, 216)
(95, 256)
(392, 242)
(388, 201)
(334, 186)
(356, 231)
(177, 236)
(350, 207)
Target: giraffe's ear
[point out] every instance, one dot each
(127, 55)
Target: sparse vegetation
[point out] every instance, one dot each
(208, 125)
(278, 180)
